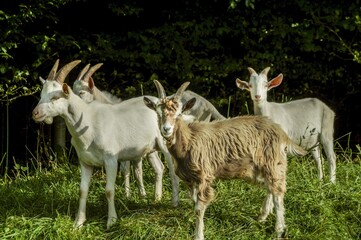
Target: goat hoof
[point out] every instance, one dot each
(157, 199)
(175, 203)
(111, 222)
(261, 219)
(283, 235)
(78, 225)
(127, 197)
(143, 194)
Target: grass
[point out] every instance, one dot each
(43, 204)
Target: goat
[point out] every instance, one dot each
(307, 121)
(102, 134)
(252, 148)
(84, 87)
(202, 110)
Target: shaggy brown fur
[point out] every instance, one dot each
(252, 148)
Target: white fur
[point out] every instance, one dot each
(308, 121)
(82, 89)
(202, 110)
(102, 134)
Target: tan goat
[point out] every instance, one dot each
(252, 148)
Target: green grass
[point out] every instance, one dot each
(43, 204)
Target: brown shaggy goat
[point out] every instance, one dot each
(249, 147)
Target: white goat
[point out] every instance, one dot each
(102, 134)
(84, 87)
(202, 110)
(253, 148)
(307, 121)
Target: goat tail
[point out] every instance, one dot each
(327, 127)
(295, 150)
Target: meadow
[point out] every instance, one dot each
(42, 204)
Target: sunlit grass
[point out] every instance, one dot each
(43, 204)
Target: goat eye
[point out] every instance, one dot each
(54, 98)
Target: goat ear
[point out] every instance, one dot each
(149, 103)
(275, 82)
(242, 84)
(91, 84)
(189, 104)
(66, 89)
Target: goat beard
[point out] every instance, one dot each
(48, 120)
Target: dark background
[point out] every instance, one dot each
(316, 45)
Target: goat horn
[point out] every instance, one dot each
(52, 73)
(251, 71)
(180, 91)
(83, 71)
(160, 89)
(91, 71)
(265, 71)
(64, 71)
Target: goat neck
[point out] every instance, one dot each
(179, 144)
(261, 108)
(78, 120)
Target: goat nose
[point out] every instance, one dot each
(258, 97)
(166, 128)
(35, 113)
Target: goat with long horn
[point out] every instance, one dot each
(101, 136)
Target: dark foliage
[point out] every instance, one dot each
(316, 45)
